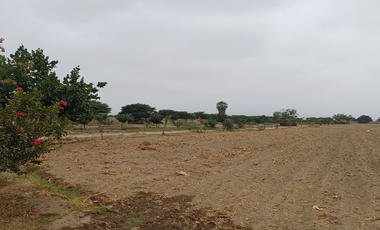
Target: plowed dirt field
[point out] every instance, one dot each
(324, 177)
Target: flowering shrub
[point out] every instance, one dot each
(28, 129)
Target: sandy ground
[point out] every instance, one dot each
(324, 177)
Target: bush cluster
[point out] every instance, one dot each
(28, 129)
(210, 123)
(228, 125)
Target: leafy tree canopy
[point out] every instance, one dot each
(340, 117)
(185, 115)
(98, 107)
(288, 115)
(33, 69)
(156, 118)
(123, 118)
(220, 117)
(168, 112)
(201, 115)
(138, 111)
(85, 118)
(364, 119)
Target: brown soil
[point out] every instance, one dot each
(19, 201)
(324, 177)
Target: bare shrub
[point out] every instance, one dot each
(228, 125)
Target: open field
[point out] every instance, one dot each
(325, 177)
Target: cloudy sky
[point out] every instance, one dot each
(320, 57)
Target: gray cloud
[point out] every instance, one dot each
(319, 57)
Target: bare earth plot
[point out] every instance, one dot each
(295, 178)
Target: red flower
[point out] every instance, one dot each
(64, 103)
(36, 142)
(60, 108)
(1, 119)
(18, 88)
(55, 142)
(20, 114)
(21, 128)
(26, 119)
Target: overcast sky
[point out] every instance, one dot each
(320, 57)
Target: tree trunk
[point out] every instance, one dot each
(163, 130)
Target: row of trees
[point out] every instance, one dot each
(96, 111)
(138, 113)
(141, 112)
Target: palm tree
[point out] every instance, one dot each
(222, 106)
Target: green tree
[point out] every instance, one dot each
(210, 122)
(124, 118)
(327, 120)
(342, 118)
(74, 90)
(168, 112)
(221, 106)
(28, 129)
(220, 117)
(364, 119)
(98, 107)
(33, 69)
(138, 111)
(288, 115)
(155, 118)
(201, 115)
(4, 68)
(185, 115)
(85, 118)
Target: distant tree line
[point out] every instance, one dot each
(140, 113)
(137, 112)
